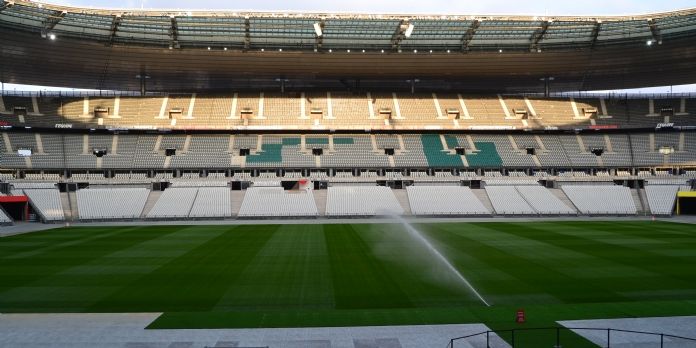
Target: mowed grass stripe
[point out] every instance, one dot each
(668, 273)
(196, 280)
(22, 276)
(532, 277)
(359, 279)
(291, 270)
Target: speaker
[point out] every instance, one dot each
(170, 152)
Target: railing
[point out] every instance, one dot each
(493, 338)
(580, 94)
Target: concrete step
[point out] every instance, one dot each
(402, 197)
(483, 197)
(65, 203)
(150, 203)
(237, 198)
(562, 196)
(73, 206)
(320, 200)
(640, 206)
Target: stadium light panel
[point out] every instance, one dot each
(448, 51)
(348, 51)
(209, 48)
(409, 30)
(330, 51)
(225, 49)
(649, 43)
(382, 51)
(280, 50)
(363, 51)
(317, 29)
(52, 36)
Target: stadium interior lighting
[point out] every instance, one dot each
(649, 43)
(263, 49)
(317, 29)
(209, 48)
(225, 49)
(409, 30)
(431, 51)
(348, 51)
(280, 50)
(382, 51)
(330, 50)
(415, 51)
(52, 36)
(363, 51)
(500, 51)
(448, 51)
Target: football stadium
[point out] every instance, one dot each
(359, 180)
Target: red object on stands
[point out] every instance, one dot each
(14, 199)
(520, 317)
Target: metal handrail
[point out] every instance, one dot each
(558, 329)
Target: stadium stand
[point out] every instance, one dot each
(47, 203)
(601, 199)
(111, 203)
(507, 200)
(444, 200)
(174, 203)
(661, 198)
(4, 219)
(361, 201)
(543, 201)
(212, 202)
(276, 202)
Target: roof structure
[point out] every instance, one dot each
(435, 39)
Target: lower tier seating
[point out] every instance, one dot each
(444, 200)
(601, 199)
(111, 203)
(361, 201)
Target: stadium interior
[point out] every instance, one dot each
(227, 116)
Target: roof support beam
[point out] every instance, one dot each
(247, 33)
(469, 35)
(50, 22)
(5, 5)
(173, 34)
(319, 39)
(115, 22)
(657, 35)
(399, 35)
(595, 33)
(538, 36)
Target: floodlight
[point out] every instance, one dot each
(649, 43)
(317, 29)
(409, 30)
(225, 49)
(52, 36)
(348, 51)
(208, 48)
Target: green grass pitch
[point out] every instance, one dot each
(354, 274)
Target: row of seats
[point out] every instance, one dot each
(661, 198)
(337, 110)
(361, 201)
(444, 200)
(111, 203)
(276, 202)
(601, 199)
(351, 150)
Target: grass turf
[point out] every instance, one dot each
(354, 274)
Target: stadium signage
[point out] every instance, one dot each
(492, 127)
(665, 125)
(63, 125)
(551, 128)
(604, 126)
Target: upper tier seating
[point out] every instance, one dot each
(361, 201)
(444, 200)
(111, 203)
(336, 110)
(214, 151)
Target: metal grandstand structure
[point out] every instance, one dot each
(292, 30)
(181, 50)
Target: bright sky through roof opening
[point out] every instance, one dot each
(539, 7)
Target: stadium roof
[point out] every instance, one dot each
(579, 52)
